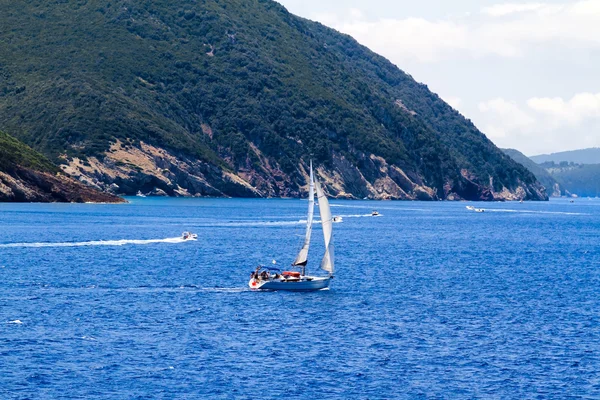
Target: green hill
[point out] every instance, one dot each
(27, 176)
(580, 179)
(542, 175)
(14, 153)
(232, 98)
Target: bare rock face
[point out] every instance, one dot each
(26, 185)
(127, 169)
(556, 191)
(466, 188)
(151, 170)
(154, 171)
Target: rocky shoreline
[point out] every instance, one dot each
(24, 185)
(153, 171)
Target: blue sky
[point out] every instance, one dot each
(525, 72)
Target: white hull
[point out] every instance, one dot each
(304, 285)
(189, 236)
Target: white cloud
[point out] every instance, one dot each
(356, 13)
(507, 52)
(455, 102)
(501, 10)
(504, 30)
(503, 117)
(543, 124)
(573, 111)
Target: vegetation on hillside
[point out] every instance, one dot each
(211, 79)
(539, 171)
(14, 153)
(572, 178)
(580, 179)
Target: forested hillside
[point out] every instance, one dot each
(543, 176)
(580, 179)
(232, 98)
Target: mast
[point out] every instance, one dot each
(302, 258)
(327, 224)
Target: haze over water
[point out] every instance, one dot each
(429, 300)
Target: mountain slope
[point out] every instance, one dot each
(27, 176)
(542, 175)
(232, 98)
(583, 156)
(578, 179)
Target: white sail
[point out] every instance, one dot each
(327, 223)
(302, 257)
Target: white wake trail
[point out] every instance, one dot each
(359, 215)
(505, 210)
(122, 242)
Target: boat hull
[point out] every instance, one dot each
(311, 285)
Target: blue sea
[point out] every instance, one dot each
(429, 300)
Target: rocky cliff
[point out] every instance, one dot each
(26, 176)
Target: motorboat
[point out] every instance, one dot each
(140, 194)
(479, 210)
(189, 236)
(337, 219)
(271, 279)
(375, 213)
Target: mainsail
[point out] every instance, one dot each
(302, 257)
(327, 223)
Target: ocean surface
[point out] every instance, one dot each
(429, 300)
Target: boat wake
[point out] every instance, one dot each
(147, 289)
(281, 223)
(258, 223)
(122, 242)
(400, 207)
(360, 215)
(225, 290)
(532, 212)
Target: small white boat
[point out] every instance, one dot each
(375, 213)
(337, 219)
(273, 279)
(479, 210)
(140, 194)
(189, 236)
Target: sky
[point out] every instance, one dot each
(526, 73)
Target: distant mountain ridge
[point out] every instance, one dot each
(564, 178)
(214, 98)
(583, 156)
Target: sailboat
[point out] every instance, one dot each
(273, 279)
